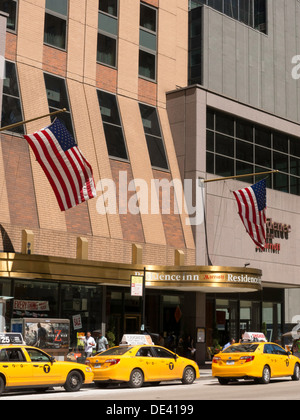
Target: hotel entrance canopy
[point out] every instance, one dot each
(204, 279)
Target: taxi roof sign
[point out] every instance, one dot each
(11, 338)
(136, 339)
(254, 336)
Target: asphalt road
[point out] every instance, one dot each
(175, 393)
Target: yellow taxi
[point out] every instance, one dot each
(260, 361)
(29, 367)
(137, 364)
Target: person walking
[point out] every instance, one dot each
(102, 343)
(89, 344)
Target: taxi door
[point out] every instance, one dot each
(13, 364)
(148, 363)
(285, 368)
(43, 371)
(168, 367)
(271, 359)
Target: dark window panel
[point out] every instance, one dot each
(58, 6)
(224, 123)
(263, 136)
(281, 162)
(107, 50)
(295, 146)
(280, 142)
(244, 151)
(9, 7)
(281, 182)
(210, 166)
(263, 157)
(244, 130)
(115, 141)
(109, 108)
(294, 166)
(148, 18)
(224, 166)
(224, 145)
(56, 92)
(12, 113)
(150, 120)
(55, 31)
(157, 152)
(109, 6)
(147, 65)
(10, 85)
(210, 144)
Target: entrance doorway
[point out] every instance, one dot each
(132, 323)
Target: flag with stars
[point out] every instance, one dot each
(252, 204)
(69, 173)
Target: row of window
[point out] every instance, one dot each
(56, 29)
(237, 147)
(58, 98)
(251, 12)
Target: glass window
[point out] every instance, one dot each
(15, 355)
(244, 151)
(263, 136)
(153, 135)
(11, 103)
(117, 351)
(164, 353)
(112, 125)
(224, 166)
(263, 157)
(147, 65)
(231, 8)
(58, 99)
(148, 17)
(37, 355)
(109, 6)
(224, 123)
(148, 41)
(224, 145)
(281, 142)
(55, 31)
(246, 12)
(10, 7)
(243, 348)
(107, 50)
(244, 130)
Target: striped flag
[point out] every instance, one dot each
(252, 204)
(69, 173)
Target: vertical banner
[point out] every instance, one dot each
(136, 285)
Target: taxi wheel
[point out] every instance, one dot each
(136, 378)
(296, 376)
(266, 376)
(2, 385)
(188, 375)
(74, 382)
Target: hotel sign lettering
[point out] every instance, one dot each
(213, 279)
(274, 231)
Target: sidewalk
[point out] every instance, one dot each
(205, 371)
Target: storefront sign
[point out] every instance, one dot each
(136, 285)
(31, 305)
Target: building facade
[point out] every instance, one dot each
(242, 117)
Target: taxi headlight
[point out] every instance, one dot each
(88, 369)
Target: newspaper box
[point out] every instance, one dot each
(51, 335)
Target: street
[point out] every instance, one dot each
(178, 394)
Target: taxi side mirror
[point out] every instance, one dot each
(175, 357)
(52, 359)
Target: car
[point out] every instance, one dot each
(29, 367)
(137, 364)
(260, 361)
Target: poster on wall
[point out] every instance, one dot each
(47, 334)
(136, 283)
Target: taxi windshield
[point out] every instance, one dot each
(116, 351)
(243, 348)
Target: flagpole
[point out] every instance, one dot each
(9, 127)
(205, 181)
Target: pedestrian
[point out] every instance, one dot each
(190, 349)
(102, 343)
(89, 344)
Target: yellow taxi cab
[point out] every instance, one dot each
(24, 366)
(260, 361)
(137, 364)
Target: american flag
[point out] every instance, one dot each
(67, 170)
(252, 204)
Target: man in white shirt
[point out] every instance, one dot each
(89, 344)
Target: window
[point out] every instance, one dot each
(235, 146)
(56, 23)
(161, 352)
(251, 12)
(148, 42)
(15, 355)
(153, 135)
(10, 7)
(58, 99)
(107, 32)
(11, 103)
(37, 355)
(112, 125)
